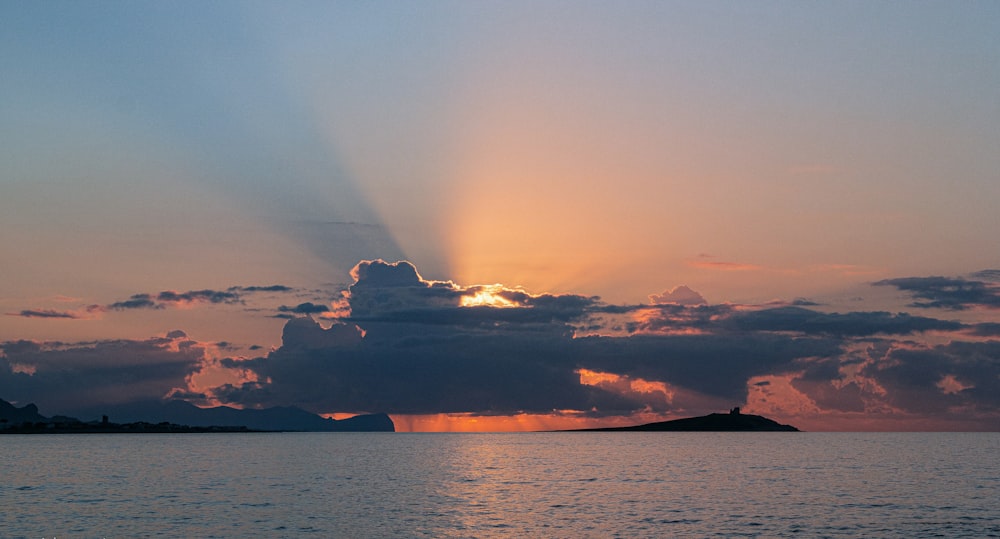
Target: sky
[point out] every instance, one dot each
(505, 215)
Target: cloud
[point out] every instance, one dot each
(672, 317)
(959, 376)
(681, 295)
(504, 370)
(787, 318)
(88, 312)
(985, 329)
(137, 301)
(954, 293)
(854, 324)
(60, 377)
(44, 313)
(271, 288)
(234, 295)
(304, 333)
(415, 349)
(402, 344)
(489, 373)
(381, 274)
(380, 288)
(304, 308)
(196, 296)
(171, 298)
(427, 347)
(797, 302)
(395, 294)
(991, 275)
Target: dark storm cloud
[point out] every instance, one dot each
(504, 371)
(953, 293)
(427, 373)
(423, 352)
(62, 377)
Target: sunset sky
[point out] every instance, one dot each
(505, 215)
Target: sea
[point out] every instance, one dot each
(559, 484)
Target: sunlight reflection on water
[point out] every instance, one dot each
(501, 485)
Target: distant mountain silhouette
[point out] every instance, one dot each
(734, 421)
(27, 420)
(179, 414)
(283, 418)
(12, 415)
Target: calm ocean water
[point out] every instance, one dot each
(500, 485)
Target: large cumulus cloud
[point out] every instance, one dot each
(428, 347)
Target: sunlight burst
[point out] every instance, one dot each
(486, 296)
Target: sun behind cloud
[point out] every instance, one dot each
(486, 295)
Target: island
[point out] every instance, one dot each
(734, 421)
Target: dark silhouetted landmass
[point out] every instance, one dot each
(181, 416)
(282, 418)
(12, 415)
(27, 420)
(734, 421)
(94, 427)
